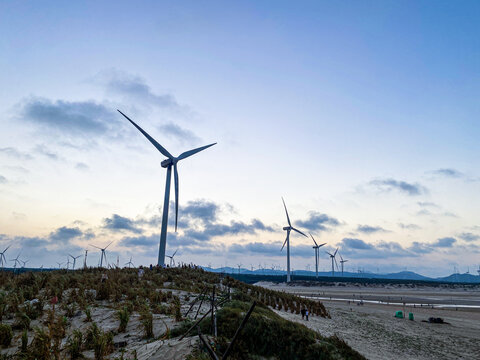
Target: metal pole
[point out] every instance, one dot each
(288, 255)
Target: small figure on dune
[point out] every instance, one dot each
(104, 277)
(140, 272)
(303, 313)
(306, 314)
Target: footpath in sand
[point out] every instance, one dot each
(372, 330)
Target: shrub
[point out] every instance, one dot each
(146, 318)
(123, 315)
(88, 314)
(6, 334)
(40, 348)
(74, 344)
(24, 341)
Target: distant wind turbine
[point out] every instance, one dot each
(3, 260)
(102, 255)
(16, 261)
(74, 259)
(59, 264)
(287, 240)
(24, 263)
(316, 247)
(172, 260)
(168, 164)
(332, 256)
(342, 261)
(129, 263)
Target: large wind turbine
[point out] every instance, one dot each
(16, 261)
(129, 262)
(168, 164)
(316, 247)
(103, 255)
(74, 259)
(287, 240)
(3, 260)
(333, 259)
(342, 261)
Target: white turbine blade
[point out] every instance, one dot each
(174, 253)
(193, 151)
(335, 253)
(329, 253)
(286, 212)
(299, 232)
(313, 240)
(336, 263)
(108, 245)
(6, 248)
(96, 247)
(284, 243)
(152, 140)
(322, 245)
(340, 256)
(175, 178)
(345, 260)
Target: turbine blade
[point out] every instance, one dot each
(96, 247)
(174, 253)
(193, 151)
(7, 248)
(152, 140)
(286, 212)
(335, 253)
(284, 243)
(299, 232)
(336, 264)
(314, 240)
(108, 245)
(175, 177)
(329, 253)
(322, 245)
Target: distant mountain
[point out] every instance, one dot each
(402, 275)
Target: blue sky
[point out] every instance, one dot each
(363, 115)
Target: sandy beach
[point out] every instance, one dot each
(372, 329)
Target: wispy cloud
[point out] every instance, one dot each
(446, 242)
(177, 132)
(3, 179)
(448, 172)
(409, 226)
(367, 229)
(411, 189)
(65, 234)
(15, 153)
(318, 222)
(468, 236)
(119, 223)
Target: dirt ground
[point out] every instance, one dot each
(372, 330)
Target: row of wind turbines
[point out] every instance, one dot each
(316, 247)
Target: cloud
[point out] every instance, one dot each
(273, 249)
(179, 133)
(401, 186)
(409, 226)
(81, 166)
(3, 179)
(65, 234)
(447, 172)
(78, 118)
(43, 150)
(426, 204)
(234, 228)
(120, 223)
(356, 244)
(142, 240)
(367, 229)
(446, 242)
(15, 153)
(31, 241)
(135, 87)
(467, 236)
(206, 211)
(318, 222)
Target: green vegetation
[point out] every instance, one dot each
(26, 302)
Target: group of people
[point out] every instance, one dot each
(304, 314)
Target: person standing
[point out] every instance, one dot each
(303, 313)
(306, 314)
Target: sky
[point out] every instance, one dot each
(364, 116)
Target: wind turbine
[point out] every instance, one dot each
(103, 255)
(168, 164)
(172, 260)
(316, 247)
(74, 259)
(16, 261)
(24, 263)
(129, 263)
(239, 266)
(3, 260)
(68, 262)
(342, 262)
(85, 260)
(59, 264)
(287, 240)
(333, 259)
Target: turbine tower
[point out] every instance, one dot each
(3, 260)
(16, 261)
(287, 240)
(333, 259)
(342, 261)
(74, 259)
(168, 164)
(172, 260)
(103, 255)
(316, 247)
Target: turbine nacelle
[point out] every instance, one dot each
(287, 228)
(168, 162)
